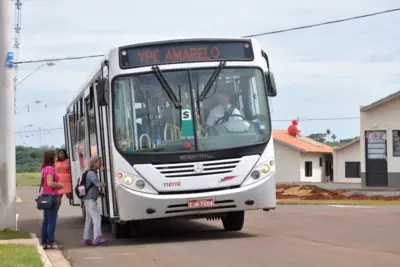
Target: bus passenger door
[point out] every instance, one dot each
(69, 135)
(94, 146)
(108, 202)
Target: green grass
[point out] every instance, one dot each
(5, 235)
(339, 202)
(28, 179)
(19, 256)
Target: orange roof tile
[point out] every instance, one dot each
(301, 143)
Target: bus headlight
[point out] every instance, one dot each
(128, 180)
(140, 184)
(255, 174)
(134, 182)
(260, 172)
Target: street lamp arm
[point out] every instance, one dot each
(26, 77)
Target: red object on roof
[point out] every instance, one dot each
(294, 129)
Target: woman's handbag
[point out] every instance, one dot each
(44, 202)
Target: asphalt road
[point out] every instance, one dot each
(300, 236)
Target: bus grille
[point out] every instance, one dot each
(201, 168)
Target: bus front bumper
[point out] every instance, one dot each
(134, 205)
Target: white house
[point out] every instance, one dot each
(301, 159)
(380, 142)
(346, 162)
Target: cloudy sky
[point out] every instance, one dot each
(322, 72)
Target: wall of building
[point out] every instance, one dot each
(287, 163)
(383, 117)
(318, 172)
(340, 157)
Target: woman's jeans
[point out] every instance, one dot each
(49, 224)
(92, 220)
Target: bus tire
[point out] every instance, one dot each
(119, 230)
(233, 221)
(105, 220)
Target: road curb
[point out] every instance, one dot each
(42, 253)
(317, 204)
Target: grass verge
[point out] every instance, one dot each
(341, 202)
(6, 235)
(19, 256)
(28, 179)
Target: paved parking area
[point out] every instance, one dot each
(300, 236)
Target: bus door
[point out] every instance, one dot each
(102, 127)
(94, 144)
(69, 135)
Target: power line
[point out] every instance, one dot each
(305, 119)
(321, 119)
(252, 35)
(41, 130)
(324, 23)
(56, 59)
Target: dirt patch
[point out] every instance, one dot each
(312, 192)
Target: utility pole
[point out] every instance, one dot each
(17, 28)
(7, 121)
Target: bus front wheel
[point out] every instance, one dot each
(119, 230)
(233, 221)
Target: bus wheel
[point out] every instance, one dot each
(233, 221)
(119, 230)
(105, 220)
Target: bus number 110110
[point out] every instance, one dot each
(172, 184)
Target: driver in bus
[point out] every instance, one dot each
(221, 109)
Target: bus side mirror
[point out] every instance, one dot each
(102, 92)
(271, 86)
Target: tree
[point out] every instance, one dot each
(29, 159)
(320, 137)
(333, 137)
(328, 133)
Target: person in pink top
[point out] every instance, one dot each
(50, 186)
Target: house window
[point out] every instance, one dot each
(352, 169)
(320, 162)
(396, 143)
(308, 168)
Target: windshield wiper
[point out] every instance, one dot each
(167, 88)
(212, 80)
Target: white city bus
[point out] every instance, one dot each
(184, 130)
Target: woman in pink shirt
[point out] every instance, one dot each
(50, 183)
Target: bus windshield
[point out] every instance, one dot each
(147, 117)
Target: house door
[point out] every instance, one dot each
(376, 158)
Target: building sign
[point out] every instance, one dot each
(376, 144)
(376, 136)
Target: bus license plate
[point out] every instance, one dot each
(200, 203)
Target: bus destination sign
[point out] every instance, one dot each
(185, 52)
